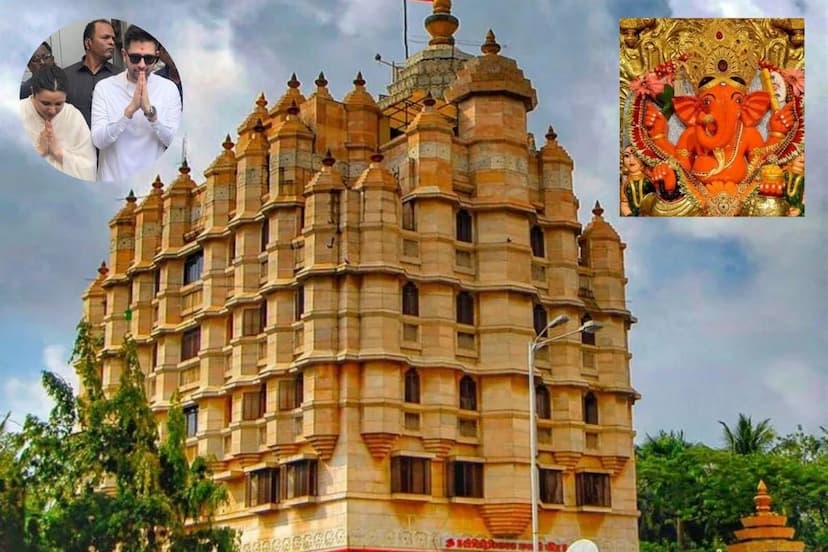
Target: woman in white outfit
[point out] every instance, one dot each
(57, 130)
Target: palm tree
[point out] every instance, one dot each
(747, 438)
(667, 444)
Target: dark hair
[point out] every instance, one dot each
(137, 34)
(89, 30)
(46, 45)
(51, 78)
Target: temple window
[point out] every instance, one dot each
(539, 320)
(193, 266)
(410, 475)
(410, 300)
(465, 308)
(468, 393)
(412, 386)
(590, 409)
(536, 240)
(464, 226)
(543, 406)
(587, 338)
(464, 479)
(592, 489)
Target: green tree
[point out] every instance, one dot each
(803, 485)
(667, 444)
(692, 496)
(746, 438)
(12, 492)
(101, 478)
(665, 470)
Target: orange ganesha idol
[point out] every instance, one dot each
(712, 118)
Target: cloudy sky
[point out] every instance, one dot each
(732, 313)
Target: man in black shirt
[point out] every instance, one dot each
(40, 59)
(99, 45)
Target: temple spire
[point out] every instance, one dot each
(441, 25)
(490, 45)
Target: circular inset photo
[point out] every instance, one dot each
(100, 100)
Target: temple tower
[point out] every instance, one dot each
(765, 531)
(345, 303)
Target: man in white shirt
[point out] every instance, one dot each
(135, 114)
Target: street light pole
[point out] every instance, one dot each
(536, 343)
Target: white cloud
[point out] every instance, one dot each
(801, 388)
(733, 8)
(355, 20)
(56, 359)
(321, 13)
(22, 396)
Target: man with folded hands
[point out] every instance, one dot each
(135, 114)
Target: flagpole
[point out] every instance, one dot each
(405, 27)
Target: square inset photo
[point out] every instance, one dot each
(712, 117)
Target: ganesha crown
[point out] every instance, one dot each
(722, 53)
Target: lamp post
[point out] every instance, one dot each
(536, 343)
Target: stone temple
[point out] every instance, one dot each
(344, 305)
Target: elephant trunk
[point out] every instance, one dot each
(714, 132)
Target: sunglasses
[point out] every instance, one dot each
(149, 59)
(42, 59)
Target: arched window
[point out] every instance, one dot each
(537, 241)
(464, 226)
(412, 386)
(409, 220)
(193, 265)
(298, 303)
(465, 308)
(265, 237)
(299, 389)
(410, 300)
(468, 393)
(539, 320)
(543, 407)
(587, 338)
(590, 409)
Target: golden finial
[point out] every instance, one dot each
(328, 160)
(320, 81)
(597, 210)
(490, 45)
(441, 6)
(377, 156)
(359, 81)
(429, 100)
(130, 198)
(228, 143)
(550, 134)
(261, 101)
(293, 109)
(184, 168)
(157, 185)
(293, 82)
(762, 499)
(441, 25)
(103, 270)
